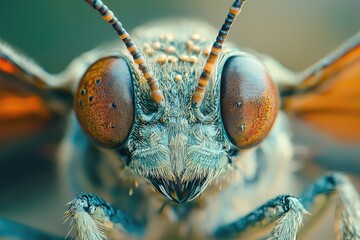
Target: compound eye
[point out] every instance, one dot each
(104, 102)
(249, 101)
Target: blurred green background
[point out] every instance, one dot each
(298, 33)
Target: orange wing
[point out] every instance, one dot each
(29, 107)
(328, 94)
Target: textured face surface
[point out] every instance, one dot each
(181, 147)
(177, 147)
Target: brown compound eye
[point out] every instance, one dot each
(249, 101)
(104, 102)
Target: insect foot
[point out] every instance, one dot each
(287, 226)
(347, 220)
(93, 218)
(285, 211)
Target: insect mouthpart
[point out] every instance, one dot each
(179, 191)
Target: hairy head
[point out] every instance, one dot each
(194, 102)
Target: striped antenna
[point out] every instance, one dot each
(199, 93)
(108, 15)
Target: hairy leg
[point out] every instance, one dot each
(93, 218)
(347, 205)
(284, 214)
(285, 211)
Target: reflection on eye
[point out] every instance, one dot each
(104, 102)
(249, 101)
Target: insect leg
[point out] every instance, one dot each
(348, 204)
(93, 218)
(283, 213)
(13, 230)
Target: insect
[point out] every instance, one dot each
(173, 114)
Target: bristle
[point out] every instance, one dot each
(67, 216)
(198, 96)
(68, 234)
(86, 226)
(156, 93)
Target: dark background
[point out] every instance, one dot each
(298, 33)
